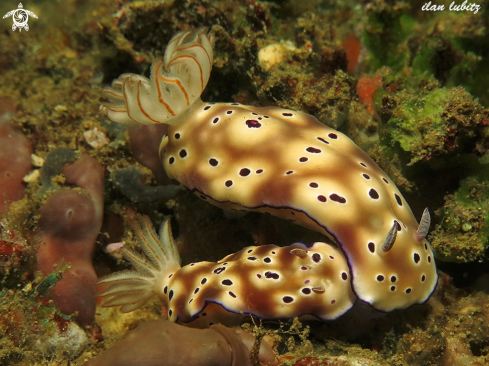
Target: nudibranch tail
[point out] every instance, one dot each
(132, 289)
(175, 83)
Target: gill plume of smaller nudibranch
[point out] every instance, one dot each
(268, 281)
(281, 162)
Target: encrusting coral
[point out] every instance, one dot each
(70, 223)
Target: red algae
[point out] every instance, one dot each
(352, 46)
(6, 248)
(366, 87)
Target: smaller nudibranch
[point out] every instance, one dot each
(268, 281)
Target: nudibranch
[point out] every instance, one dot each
(281, 162)
(268, 281)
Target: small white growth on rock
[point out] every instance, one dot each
(61, 108)
(27, 288)
(70, 342)
(37, 161)
(274, 53)
(95, 138)
(113, 247)
(32, 176)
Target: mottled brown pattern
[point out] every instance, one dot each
(293, 164)
(342, 203)
(260, 278)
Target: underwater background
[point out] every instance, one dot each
(408, 86)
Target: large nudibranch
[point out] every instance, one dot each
(268, 281)
(285, 163)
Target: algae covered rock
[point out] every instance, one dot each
(429, 122)
(462, 234)
(448, 45)
(32, 328)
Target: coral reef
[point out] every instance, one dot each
(425, 126)
(448, 345)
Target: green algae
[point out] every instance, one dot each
(429, 122)
(44, 288)
(328, 97)
(55, 162)
(403, 127)
(446, 45)
(386, 35)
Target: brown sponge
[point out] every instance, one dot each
(70, 223)
(164, 343)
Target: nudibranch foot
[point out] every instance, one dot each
(269, 282)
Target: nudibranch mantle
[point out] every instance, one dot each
(268, 281)
(285, 163)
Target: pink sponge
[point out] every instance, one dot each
(15, 157)
(70, 223)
